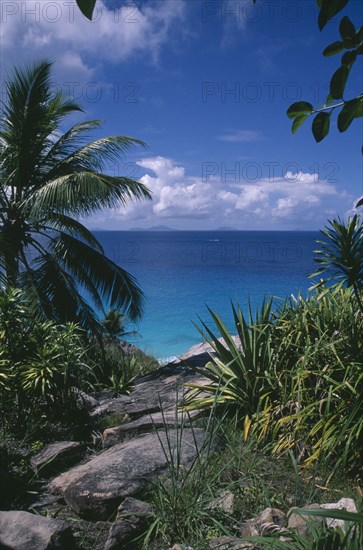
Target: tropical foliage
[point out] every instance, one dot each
(115, 368)
(48, 180)
(341, 254)
(240, 370)
(351, 43)
(114, 324)
(295, 374)
(45, 367)
(42, 365)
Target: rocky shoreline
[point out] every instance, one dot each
(96, 488)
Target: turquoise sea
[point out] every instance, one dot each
(182, 272)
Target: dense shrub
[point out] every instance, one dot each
(41, 366)
(296, 378)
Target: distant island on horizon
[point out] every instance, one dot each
(166, 228)
(153, 228)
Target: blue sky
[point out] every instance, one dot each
(206, 85)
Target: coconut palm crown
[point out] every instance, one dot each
(48, 181)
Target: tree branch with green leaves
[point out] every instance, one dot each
(351, 43)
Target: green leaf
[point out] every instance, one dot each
(346, 28)
(298, 122)
(87, 7)
(352, 109)
(299, 108)
(336, 514)
(348, 43)
(329, 8)
(333, 48)
(359, 203)
(345, 118)
(338, 82)
(349, 58)
(320, 126)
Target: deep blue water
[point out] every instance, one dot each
(181, 272)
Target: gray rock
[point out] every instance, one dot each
(111, 405)
(230, 543)
(301, 523)
(347, 504)
(25, 531)
(84, 399)
(224, 502)
(199, 355)
(132, 518)
(96, 488)
(268, 521)
(56, 456)
(161, 389)
(111, 436)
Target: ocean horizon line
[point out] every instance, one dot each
(146, 230)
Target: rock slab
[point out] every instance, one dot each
(160, 390)
(111, 436)
(25, 531)
(56, 456)
(95, 489)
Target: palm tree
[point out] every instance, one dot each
(114, 324)
(48, 180)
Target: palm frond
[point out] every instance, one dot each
(84, 193)
(64, 223)
(53, 294)
(116, 287)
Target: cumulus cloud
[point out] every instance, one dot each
(40, 28)
(187, 201)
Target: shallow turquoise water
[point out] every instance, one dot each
(182, 272)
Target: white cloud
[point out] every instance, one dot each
(186, 201)
(241, 136)
(251, 195)
(33, 28)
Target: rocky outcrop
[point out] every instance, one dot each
(154, 431)
(25, 531)
(200, 354)
(146, 423)
(160, 390)
(96, 488)
(56, 457)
